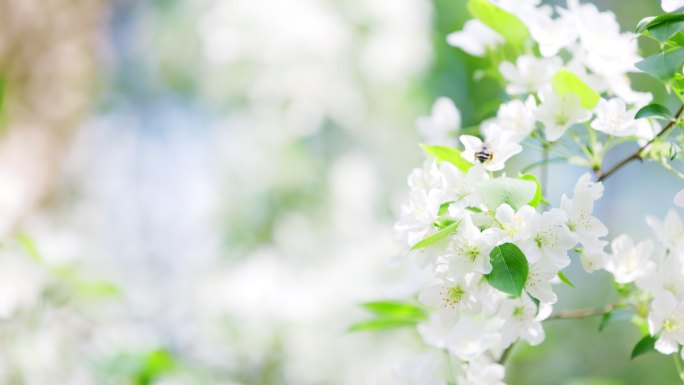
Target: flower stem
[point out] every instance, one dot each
(678, 366)
(637, 155)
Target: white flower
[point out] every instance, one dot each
(482, 372)
(552, 34)
(666, 279)
(470, 338)
(467, 340)
(514, 224)
(667, 318)
(422, 370)
(538, 283)
(585, 185)
(586, 228)
(550, 239)
(558, 113)
(516, 118)
(428, 177)
(646, 130)
(628, 261)
(679, 198)
(529, 74)
(603, 49)
(613, 118)
(461, 188)
(453, 295)
(418, 214)
(444, 122)
(520, 321)
(493, 152)
(475, 38)
(594, 259)
(671, 5)
(469, 251)
(670, 232)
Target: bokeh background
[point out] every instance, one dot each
(201, 191)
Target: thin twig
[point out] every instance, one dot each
(637, 155)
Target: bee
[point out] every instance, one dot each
(484, 154)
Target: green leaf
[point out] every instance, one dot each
(565, 279)
(565, 82)
(641, 26)
(436, 237)
(677, 82)
(444, 208)
(664, 26)
(157, 363)
(504, 23)
(447, 154)
(379, 324)
(663, 65)
(509, 269)
(514, 192)
(653, 110)
(645, 345)
(538, 194)
(615, 316)
(29, 246)
(395, 310)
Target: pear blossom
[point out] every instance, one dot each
(469, 249)
(491, 153)
(551, 34)
(586, 228)
(666, 279)
(529, 74)
(444, 121)
(670, 231)
(603, 49)
(418, 214)
(629, 261)
(428, 177)
(559, 112)
(613, 118)
(514, 224)
(471, 337)
(594, 259)
(468, 339)
(667, 318)
(475, 38)
(538, 283)
(549, 239)
(646, 130)
(671, 5)
(452, 295)
(461, 188)
(482, 372)
(516, 118)
(520, 321)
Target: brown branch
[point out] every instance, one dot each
(637, 155)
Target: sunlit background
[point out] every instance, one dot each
(201, 192)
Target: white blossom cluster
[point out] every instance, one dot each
(657, 269)
(474, 321)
